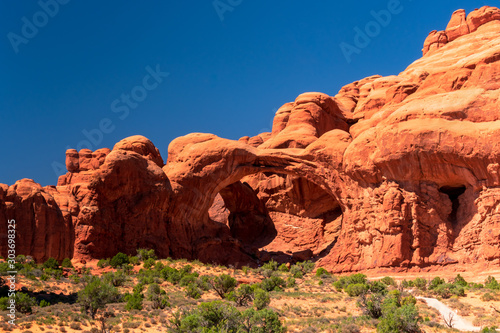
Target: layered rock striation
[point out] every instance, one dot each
(392, 172)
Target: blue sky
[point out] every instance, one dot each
(87, 67)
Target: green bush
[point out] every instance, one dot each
(117, 278)
(283, 268)
(371, 305)
(345, 281)
(270, 265)
(273, 283)
(119, 260)
(217, 316)
(488, 297)
(407, 284)
(437, 281)
(193, 291)
(377, 287)
(420, 283)
(409, 300)
(157, 296)
(24, 302)
(492, 329)
(459, 280)
(134, 301)
(402, 319)
(322, 273)
(148, 263)
(67, 263)
(103, 263)
(243, 295)
(188, 278)
(356, 289)
(223, 284)
(4, 303)
(491, 283)
(290, 282)
(51, 263)
(95, 295)
(133, 260)
(145, 254)
(388, 281)
(43, 303)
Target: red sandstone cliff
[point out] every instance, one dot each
(398, 171)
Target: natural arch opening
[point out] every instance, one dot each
(286, 217)
(453, 192)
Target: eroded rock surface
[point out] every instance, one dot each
(394, 172)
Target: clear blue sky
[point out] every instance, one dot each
(226, 77)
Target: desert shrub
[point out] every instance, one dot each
(296, 272)
(322, 273)
(270, 265)
(345, 281)
(399, 319)
(55, 273)
(188, 278)
(460, 281)
(492, 329)
(437, 281)
(420, 283)
(103, 263)
(265, 321)
(377, 287)
(203, 282)
(371, 305)
(491, 283)
(447, 290)
(133, 260)
(148, 263)
(488, 297)
(134, 301)
(171, 274)
(283, 268)
(290, 282)
(407, 284)
(119, 260)
(157, 296)
(356, 289)
(43, 303)
(4, 303)
(273, 283)
(193, 291)
(223, 284)
(409, 300)
(220, 317)
(475, 286)
(243, 295)
(145, 254)
(305, 267)
(24, 302)
(95, 295)
(117, 278)
(51, 263)
(388, 281)
(66, 263)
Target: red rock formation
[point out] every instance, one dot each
(399, 171)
